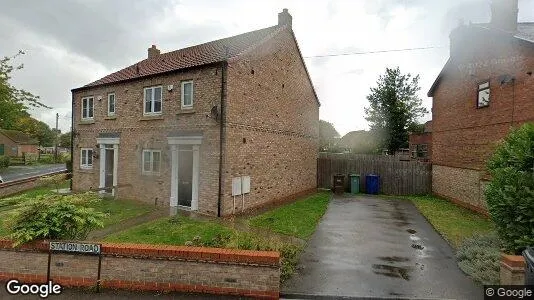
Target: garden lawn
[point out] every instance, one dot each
(453, 222)
(170, 231)
(296, 219)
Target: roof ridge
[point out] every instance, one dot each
(215, 41)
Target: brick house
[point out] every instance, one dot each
(15, 143)
(485, 89)
(183, 128)
(421, 144)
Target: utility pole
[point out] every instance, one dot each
(55, 138)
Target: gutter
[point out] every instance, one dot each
(224, 66)
(72, 141)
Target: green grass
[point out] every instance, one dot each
(296, 219)
(120, 210)
(453, 222)
(117, 210)
(170, 231)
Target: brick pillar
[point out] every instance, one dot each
(512, 269)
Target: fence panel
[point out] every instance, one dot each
(396, 177)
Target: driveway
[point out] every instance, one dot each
(20, 172)
(366, 246)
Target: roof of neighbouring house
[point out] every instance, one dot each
(19, 137)
(525, 33)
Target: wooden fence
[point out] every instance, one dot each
(396, 177)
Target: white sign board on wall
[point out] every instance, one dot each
(236, 186)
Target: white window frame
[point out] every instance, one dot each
(482, 87)
(86, 109)
(192, 93)
(152, 90)
(86, 165)
(112, 113)
(151, 171)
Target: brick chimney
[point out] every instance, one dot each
(504, 14)
(153, 51)
(284, 18)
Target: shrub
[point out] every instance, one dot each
(510, 194)
(479, 257)
(4, 161)
(55, 217)
(68, 166)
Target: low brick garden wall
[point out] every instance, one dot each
(17, 186)
(149, 268)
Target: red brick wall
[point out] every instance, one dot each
(150, 267)
(419, 139)
(273, 123)
(8, 146)
(465, 136)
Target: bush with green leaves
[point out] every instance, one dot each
(510, 194)
(479, 257)
(4, 161)
(55, 217)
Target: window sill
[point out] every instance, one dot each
(186, 111)
(110, 118)
(151, 118)
(86, 122)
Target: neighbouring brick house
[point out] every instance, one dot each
(15, 143)
(178, 129)
(421, 144)
(485, 89)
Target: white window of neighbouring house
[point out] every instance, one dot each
(86, 158)
(187, 94)
(152, 103)
(151, 161)
(87, 108)
(111, 104)
(483, 94)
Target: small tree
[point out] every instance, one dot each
(394, 107)
(510, 194)
(55, 217)
(327, 135)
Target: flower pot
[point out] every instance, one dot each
(512, 269)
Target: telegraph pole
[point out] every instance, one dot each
(55, 138)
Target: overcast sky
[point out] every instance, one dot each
(71, 43)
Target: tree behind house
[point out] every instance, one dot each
(328, 136)
(394, 107)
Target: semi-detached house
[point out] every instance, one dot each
(183, 128)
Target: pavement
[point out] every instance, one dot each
(366, 246)
(21, 172)
(85, 294)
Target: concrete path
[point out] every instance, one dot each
(366, 246)
(21, 172)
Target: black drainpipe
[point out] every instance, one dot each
(72, 142)
(221, 136)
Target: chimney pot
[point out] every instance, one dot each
(153, 51)
(284, 18)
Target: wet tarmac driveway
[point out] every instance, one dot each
(366, 246)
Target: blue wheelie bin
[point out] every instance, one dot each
(372, 184)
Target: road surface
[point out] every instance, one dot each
(21, 172)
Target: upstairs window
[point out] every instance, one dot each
(86, 158)
(111, 104)
(87, 108)
(187, 94)
(483, 94)
(151, 162)
(152, 103)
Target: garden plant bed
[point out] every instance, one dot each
(117, 210)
